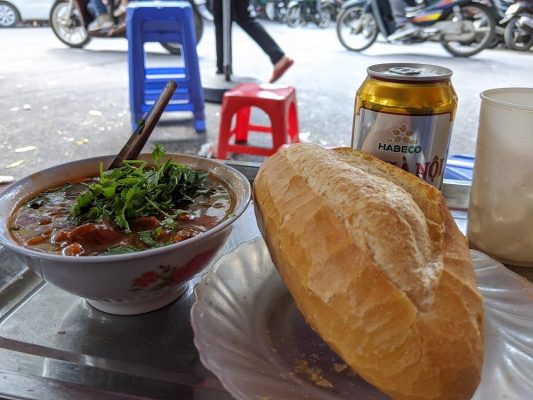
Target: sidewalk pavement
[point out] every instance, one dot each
(59, 104)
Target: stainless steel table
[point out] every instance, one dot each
(53, 345)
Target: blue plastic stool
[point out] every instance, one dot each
(163, 21)
(459, 167)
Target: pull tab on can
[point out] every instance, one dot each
(404, 71)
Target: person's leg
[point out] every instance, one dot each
(121, 9)
(96, 7)
(398, 12)
(102, 18)
(255, 30)
(403, 26)
(219, 35)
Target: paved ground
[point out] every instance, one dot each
(72, 103)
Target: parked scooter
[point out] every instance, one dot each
(498, 8)
(69, 20)
(336, 6)
(463, 27)
(300, 12)
(276, 10)
(519, 29)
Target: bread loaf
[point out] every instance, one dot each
(378, 267)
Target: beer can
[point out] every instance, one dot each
(404, 115)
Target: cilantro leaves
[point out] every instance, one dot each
(136, 190)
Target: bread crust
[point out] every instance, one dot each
(377, 265)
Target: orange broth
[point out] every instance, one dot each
(43, 223)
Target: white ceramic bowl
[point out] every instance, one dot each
(131, 283)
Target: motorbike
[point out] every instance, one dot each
(518, 33)
(69, 20)
(498, 8)
(300, 12)
(463, 27)
(276, 10)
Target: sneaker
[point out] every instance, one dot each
(403, 31)
(103, 21)
(280, 68)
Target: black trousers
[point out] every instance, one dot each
(241, 15)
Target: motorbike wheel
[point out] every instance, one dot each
(175, 48)
(478, 28)
(517, 38)
(270, 10)
(294, 16)
(281, 12)
(495, 42)
(68, 28)
(326, 17)
(356, 29)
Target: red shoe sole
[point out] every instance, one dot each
(278, 73)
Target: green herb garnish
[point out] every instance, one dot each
(137, 190)
(147, 237)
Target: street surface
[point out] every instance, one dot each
(59, 104)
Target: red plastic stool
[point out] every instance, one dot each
(278, 102)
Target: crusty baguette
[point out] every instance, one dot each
(377, 265)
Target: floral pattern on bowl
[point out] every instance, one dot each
(167, 275)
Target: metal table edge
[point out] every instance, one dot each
(32, 386)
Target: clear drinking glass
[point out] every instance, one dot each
(500, 214)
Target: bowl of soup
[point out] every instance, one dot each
(128, 243)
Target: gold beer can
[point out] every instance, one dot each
(404, 115)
